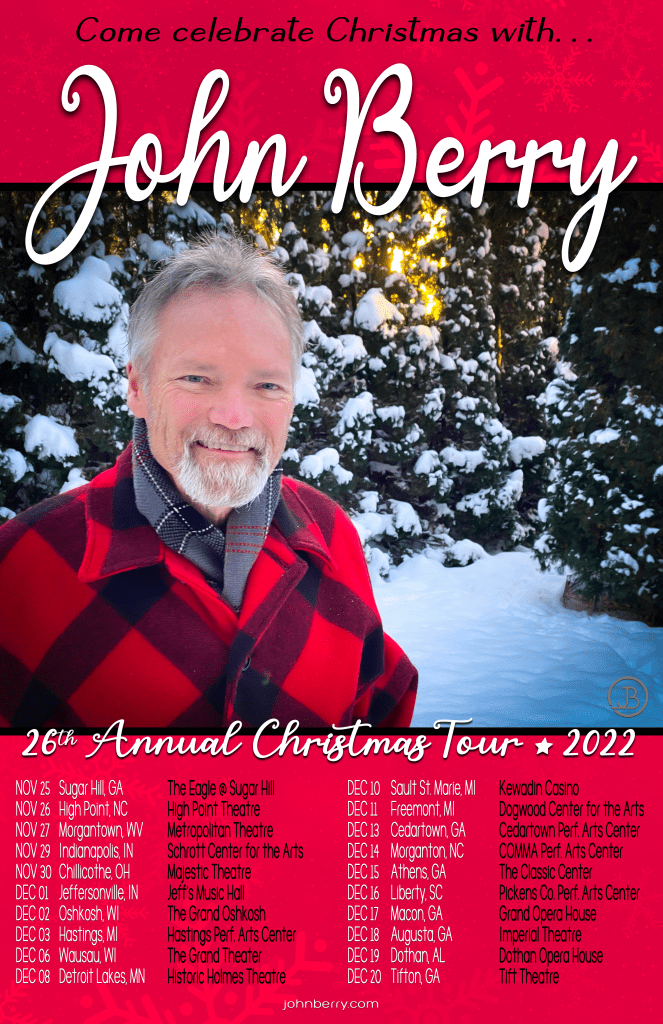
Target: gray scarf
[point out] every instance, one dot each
(226, 561)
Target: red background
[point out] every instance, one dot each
(609, 88)
(310, 808)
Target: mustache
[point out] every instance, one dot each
(217, 437)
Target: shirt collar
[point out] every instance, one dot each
(119, 538)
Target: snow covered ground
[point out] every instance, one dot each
(493, 643)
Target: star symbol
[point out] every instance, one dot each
(543, 747)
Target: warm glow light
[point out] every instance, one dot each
(397, 261)
(432, 303)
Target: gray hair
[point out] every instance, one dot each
(218, 264)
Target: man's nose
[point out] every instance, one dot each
(232, 408)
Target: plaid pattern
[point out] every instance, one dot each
(182, 528)
(100, 620)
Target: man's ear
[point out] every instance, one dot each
(135, 392)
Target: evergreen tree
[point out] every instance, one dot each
(356, 429)
(469, 457)
(519, 300)
(304, 245)
(415, 406)
(63, 334)
(604, 513)
(557, 208)
(383, 287)
(61, 386)
(525, 354)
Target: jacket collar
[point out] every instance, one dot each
(119, 538)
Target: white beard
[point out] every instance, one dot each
(224, 484)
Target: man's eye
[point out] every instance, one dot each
(193, 378)
(268, 386)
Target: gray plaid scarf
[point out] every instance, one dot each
(226, 561)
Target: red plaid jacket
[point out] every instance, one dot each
(99, 621)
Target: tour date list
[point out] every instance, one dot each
(405, 879)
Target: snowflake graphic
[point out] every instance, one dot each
(651, 152)
(203, 1003)
(619, 27)
(472, 132)
(558, 80)
(633, 84)
(240, 110)
(10, 1013)
(427, 56)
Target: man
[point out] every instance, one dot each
(190, 585)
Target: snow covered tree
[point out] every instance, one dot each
(525, 354)
(368, 323)
(398, 406)
(467, 461)
(302, 236)
(63, 415)
(519, 299)
(361, 287)
(58, 335)
(604, 510)
(556, 207)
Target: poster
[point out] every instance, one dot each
(397, 882)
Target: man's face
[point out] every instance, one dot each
(219, 397)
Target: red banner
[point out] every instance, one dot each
(423, 881)
(424, 878)
(484, 71)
